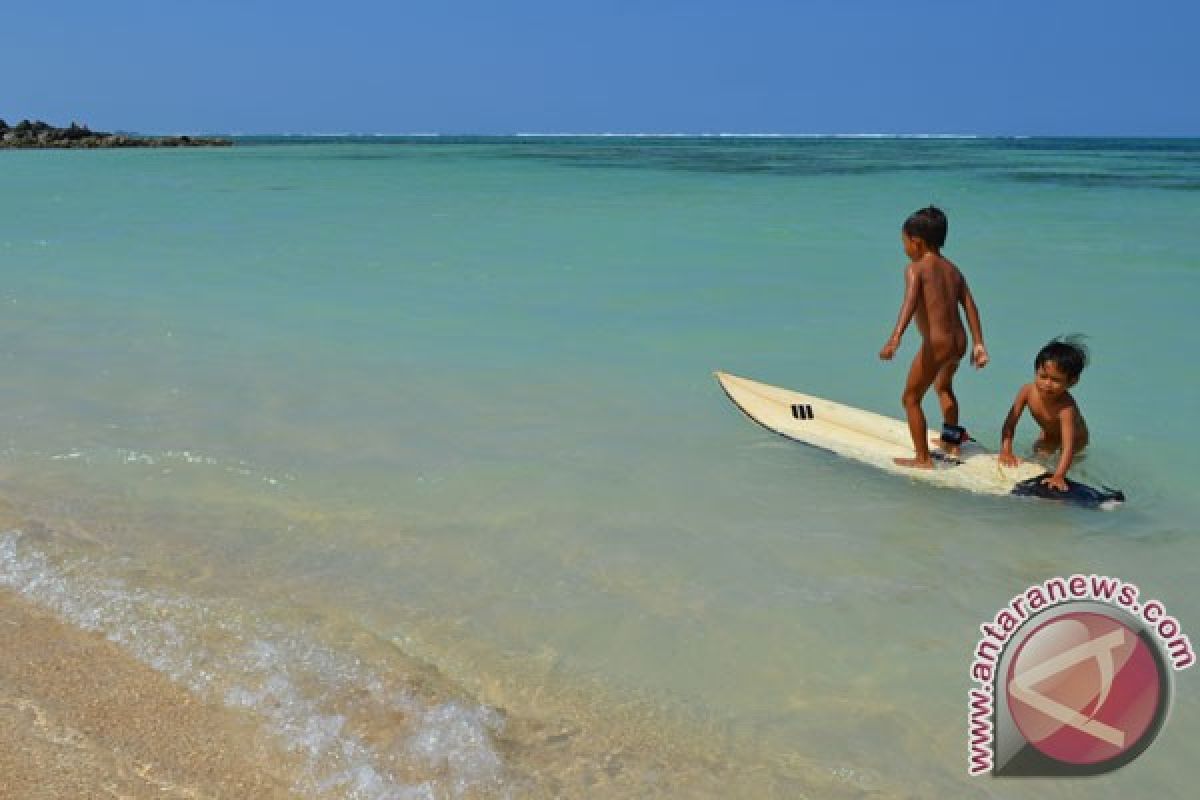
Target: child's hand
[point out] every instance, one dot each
(1055, 482)
(889, 349)
(979, 356)
(1008, 460)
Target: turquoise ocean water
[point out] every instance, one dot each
(411, 448)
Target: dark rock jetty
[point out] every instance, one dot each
(26, 134)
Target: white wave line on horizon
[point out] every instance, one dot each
(753, 135)
(619, 135)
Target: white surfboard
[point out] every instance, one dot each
(868, 437)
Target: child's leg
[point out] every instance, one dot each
(943, 382)
(920, 376)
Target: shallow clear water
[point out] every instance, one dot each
(444, 408)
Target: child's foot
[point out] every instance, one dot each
(914, 463)
(952, 450)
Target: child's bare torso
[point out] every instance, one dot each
(939, 294)
(1046, 414)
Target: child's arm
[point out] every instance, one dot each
(908, 307)
(979, 353)
(1009, 430)
(1066, 419)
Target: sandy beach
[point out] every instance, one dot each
(81, 718)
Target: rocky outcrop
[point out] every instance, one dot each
(26, 134)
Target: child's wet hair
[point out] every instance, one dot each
(1068, 352)
(929, 225)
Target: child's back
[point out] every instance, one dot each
(941, 286)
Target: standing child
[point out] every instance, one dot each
(933, 291)
(1057, 368)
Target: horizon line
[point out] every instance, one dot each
(656, 135)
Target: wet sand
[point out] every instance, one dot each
(81, 718)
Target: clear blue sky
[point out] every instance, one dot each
(499, 66)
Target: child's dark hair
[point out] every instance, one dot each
(929, 225)
(1068, 352)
